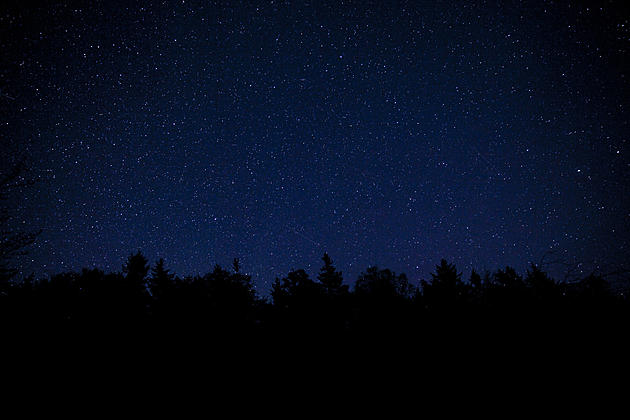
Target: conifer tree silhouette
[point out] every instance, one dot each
(330, 278)
(543, 287)
(136, 270)
(214, 306)
(161, 280)
(296, 290)
(446, 288)
(298, 302)
(133, 299)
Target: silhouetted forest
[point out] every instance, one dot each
(380, 302)
(146, 301)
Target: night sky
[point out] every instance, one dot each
(384, 133)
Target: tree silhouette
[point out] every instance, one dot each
(475, 280)
(446, 289)
(231, 297)
(543, 287)
(223, 304)
(134, 297)
(382, 301)
(330, 278)
(136, 268)
(295, 290)
(161, 281)
(335, 311)
(594, 288)
(383, 284)
(508, 279)
(298, 302)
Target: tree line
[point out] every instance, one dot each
(142, 297)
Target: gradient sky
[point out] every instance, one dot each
(385, 133)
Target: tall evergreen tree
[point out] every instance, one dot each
(135, 290)
(136, 268)
(161, 279)
(446, 286)
(330, 278)
(295, 291)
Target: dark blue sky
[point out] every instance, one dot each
(385, 133)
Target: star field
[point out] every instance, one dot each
(384, 133)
